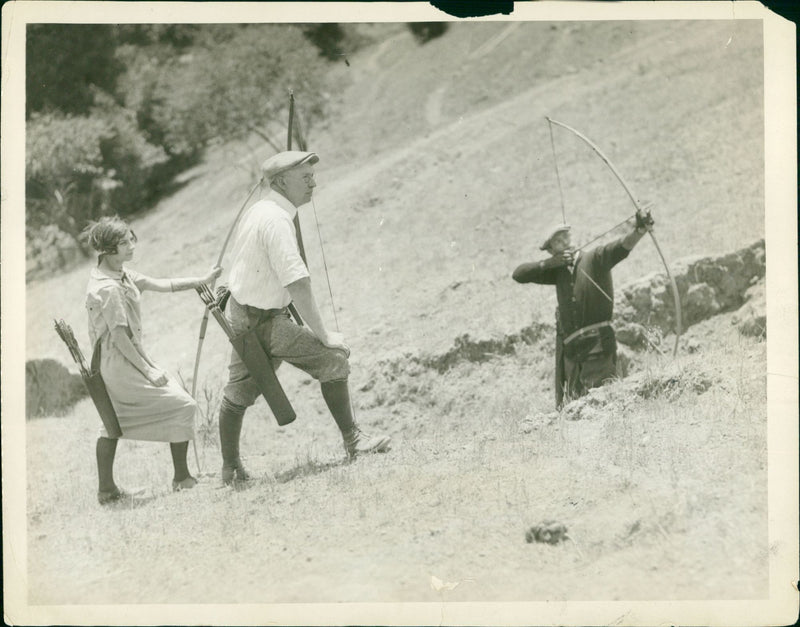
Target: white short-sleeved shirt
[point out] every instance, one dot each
(265, 257)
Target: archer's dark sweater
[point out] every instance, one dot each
(580, 302)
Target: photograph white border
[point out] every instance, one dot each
(782, 341)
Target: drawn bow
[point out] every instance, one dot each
(607, 161)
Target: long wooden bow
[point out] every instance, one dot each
(204, 323)
(607, 161)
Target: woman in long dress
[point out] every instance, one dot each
(149, 403)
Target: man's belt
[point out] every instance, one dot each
(585, 331)
(223, 295)
(264, 314)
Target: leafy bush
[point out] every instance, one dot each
(65, 180)
(50, 389)
(232, 82)
(128, 157)
(81, 167)
(65, 63)
(115, 111)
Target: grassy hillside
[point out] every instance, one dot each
(436, 179)
(460, 202)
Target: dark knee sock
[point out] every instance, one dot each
(105, 451)
(337, 398)
(231, 417)
(178, 450)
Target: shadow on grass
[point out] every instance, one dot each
(309, 468)
(130, 502)
(241, 486)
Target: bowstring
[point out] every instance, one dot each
(325, 265)
(330, 291)
(301, 141)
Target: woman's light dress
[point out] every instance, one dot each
(145, 411)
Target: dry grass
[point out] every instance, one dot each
(662, 487)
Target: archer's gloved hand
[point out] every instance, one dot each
(644, 220)
(563, 258)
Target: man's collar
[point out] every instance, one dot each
(283, 202)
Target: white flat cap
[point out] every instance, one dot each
(551, 233)
(286, 160)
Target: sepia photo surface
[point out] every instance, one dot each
(451, 152)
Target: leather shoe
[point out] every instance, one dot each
(359, 443)
(184, 484)
(234, 474)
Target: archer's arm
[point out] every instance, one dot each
(303, 298)
(632, 238)
(544, 272)
(644, 224)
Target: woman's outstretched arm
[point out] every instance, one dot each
(176, 284)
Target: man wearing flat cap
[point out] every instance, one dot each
(586, 347)
(267, 273)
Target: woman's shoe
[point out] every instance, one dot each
(185, 484)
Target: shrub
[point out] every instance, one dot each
(66, 182)
(237, 86)
(81, 167)
(65, 63)
(116, 143)
(50, 389)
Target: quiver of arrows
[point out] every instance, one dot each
(213, 305)
(252, 353)
(91, 379)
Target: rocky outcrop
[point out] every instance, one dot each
(707, 286)
(644, 314)
(602, 402)
(751, 318)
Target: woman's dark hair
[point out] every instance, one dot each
(106, 234)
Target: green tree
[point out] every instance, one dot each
(66, 63)
(233, 83)
(81, 167)
(113, 110)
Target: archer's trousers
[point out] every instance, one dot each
(282, 340)
(592, 372)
